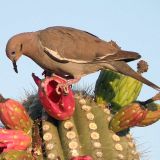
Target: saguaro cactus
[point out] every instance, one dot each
(85, 134)
(94, 130)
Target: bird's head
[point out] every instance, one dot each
(14, 49)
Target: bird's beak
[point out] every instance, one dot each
(15, 66)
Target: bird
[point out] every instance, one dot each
(72, 53)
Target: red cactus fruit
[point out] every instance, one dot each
(82, 158)
(150, 118)
(13, 115)
(14, 140)
(58, 105)
(153, 111)
(128, 116)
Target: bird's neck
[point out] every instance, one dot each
(32, 48)
(29, 43)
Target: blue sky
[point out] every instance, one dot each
(134, 25)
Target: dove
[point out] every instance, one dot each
(72, 53)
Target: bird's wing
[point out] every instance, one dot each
(64, 44)
(127, 56)
(57, 57)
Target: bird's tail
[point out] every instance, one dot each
(124, 68)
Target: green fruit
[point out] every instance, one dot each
(16, 155)
(116, 89)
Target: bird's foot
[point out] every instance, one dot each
(63, 87)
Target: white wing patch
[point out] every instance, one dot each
(57, 56)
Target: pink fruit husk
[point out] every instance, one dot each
(58, 106)
(14, 140)
(82, 158)
(127, 117)
(14, 116)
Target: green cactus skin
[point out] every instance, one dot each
(86, 133)
(69, 139)
(16, 155)
(95, 137)
(82, 123)
(51, 139)
(117, 89)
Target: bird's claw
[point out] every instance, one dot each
(62, 88)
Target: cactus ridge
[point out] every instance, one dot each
(96, 130)
(85, 133)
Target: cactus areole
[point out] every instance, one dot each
(58, 105)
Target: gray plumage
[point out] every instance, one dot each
(71, 52)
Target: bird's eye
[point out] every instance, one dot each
(21, 46)
(12, 53)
